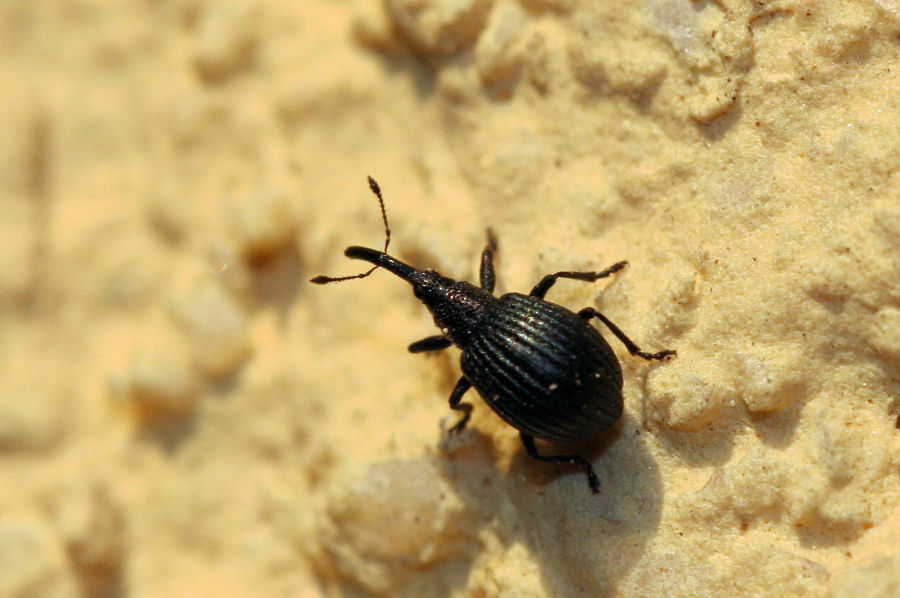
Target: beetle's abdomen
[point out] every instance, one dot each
(544, 370)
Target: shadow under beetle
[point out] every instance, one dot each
(544, 369)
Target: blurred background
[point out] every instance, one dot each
(182, 414)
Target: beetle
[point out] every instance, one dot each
(541, 367)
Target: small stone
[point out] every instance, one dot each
(264, 225)
(499, 52)
(225, 40)
(161, 381)
(439, 26)
(393, 520)
(884, 334)
(216, 328)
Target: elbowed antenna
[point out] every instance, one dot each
(379, 259)
(376, 261)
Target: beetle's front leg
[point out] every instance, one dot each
(431, 343)
(548, 281)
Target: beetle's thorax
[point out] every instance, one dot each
(457, 306)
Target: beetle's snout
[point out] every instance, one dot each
(383, 260)
(356, 252)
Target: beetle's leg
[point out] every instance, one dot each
(531, 449)
(487, 263)
(589, 312)
(548, 281)
(458, 391)
(431, 343)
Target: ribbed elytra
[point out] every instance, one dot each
(541, 367)
(545, 371)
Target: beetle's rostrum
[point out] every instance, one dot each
(541, 367)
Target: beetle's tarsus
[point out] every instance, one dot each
(660, 356)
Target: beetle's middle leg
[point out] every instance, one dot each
(589, 312)
(548, 281)
(531, 449)
(455, 403)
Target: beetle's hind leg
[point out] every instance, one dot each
(431, 343)
(455, 403)
(541, 288)
(531, 449)
(589, 312)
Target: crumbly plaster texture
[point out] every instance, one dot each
(182, 414)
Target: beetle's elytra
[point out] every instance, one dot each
(542, 368)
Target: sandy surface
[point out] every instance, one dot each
(181, 414)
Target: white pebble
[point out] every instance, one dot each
(32, 561)
(395, 519)
(161, 381)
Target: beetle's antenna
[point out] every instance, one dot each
(387, 240)
(387, 227)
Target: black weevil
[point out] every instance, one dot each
(542, 368)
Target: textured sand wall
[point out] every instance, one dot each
(181, 414)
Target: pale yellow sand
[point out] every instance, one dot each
(182, 414)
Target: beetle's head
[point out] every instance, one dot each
(457, 307)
